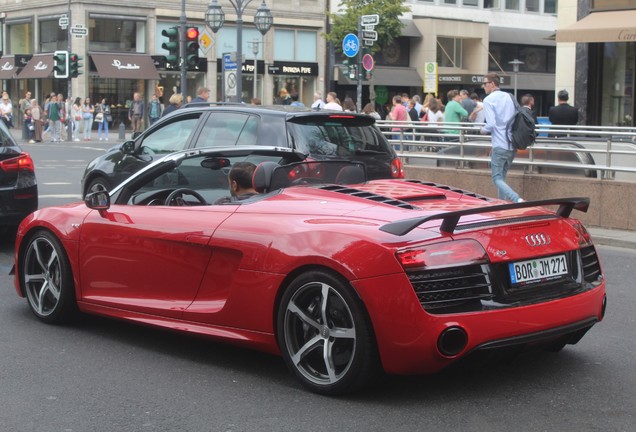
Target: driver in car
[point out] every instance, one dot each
(240, 182)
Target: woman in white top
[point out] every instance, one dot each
(6, 110)
(76, 116)
(87, 117)
(331, 104)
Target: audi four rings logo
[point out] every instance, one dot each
(539, 239)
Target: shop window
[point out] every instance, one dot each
(550, 6)
(512, 5)
(449, 52)
(52, 36)
(226, 40)
(117, 35)
(20, 38)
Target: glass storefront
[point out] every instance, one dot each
(619, 63)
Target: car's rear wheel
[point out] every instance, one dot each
(325, 335)
(47, 279)
(98, 184)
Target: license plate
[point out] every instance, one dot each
(538, 269)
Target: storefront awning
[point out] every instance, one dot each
(614, 26)
(7, 67)
(40, 66)
(400, 77)
(125, 66)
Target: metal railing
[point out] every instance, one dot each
(589, 150)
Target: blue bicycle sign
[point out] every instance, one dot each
(350, 45)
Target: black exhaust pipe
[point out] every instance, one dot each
(452, 341)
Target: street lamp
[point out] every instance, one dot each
(215, 18)
(255, 43)
(515, 69)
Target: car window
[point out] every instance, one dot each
(170, 137)
(228, 129)
(334, 137)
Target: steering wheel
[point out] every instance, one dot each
(176, 197)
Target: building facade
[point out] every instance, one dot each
(597, 50)
(122, 50)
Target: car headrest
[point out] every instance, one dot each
(352, 174)
(262, 177)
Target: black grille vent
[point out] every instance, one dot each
(370, 196)
(452, 189)
(452, 289)
(591, 265)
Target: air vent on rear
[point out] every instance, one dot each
(370, 196)
(452, 189)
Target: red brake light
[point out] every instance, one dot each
(583, 234)
(452, 253)
(20, 163)
(397, 169)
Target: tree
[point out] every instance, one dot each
(346, 20)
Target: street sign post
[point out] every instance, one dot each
(370, 20)
(79, 31)
(229, 75)
(369, 35)
(368, 62)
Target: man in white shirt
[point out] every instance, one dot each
(318, 102)
(332, 102)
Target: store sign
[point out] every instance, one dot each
(293, 68)
(471, 80)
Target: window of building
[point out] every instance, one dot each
(450, 2)
(226, 41)
(512, 5)
(471, 3)
(449, 52)
(532, 6)
(117, 34)
(550, 6)
(52, 36)
(295, 45)
(536, 59)
(20, 37)
(491, 4)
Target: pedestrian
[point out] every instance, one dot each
(25, 104)
(76, 117)
(102, 108)
(467, 103)
(203, 94)
(478, 115)
(295, 101)
(527, 101)
(369, 109)
(412, 114)
(397, 114)
(28, 124)
(37, 115)
(6, 110)
(348, 105)
(318, 103)
(175, 102)
(256, 101)
(87, 118)
(563, 113)
(418, 105)
(332, 102)
(454, 112)
(499, 109)
(283, 97)
(61, 102)
(154, 109)
(136, 113)
(53, 113)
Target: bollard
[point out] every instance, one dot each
(122, 131)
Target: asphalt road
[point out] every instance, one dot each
(105, 375)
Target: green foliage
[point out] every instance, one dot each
(346, 20)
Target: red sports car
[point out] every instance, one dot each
(340, 276)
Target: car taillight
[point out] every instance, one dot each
(452, 253)
(397, 169)
(585, 239)
(20, 163)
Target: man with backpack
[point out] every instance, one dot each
(499, 110)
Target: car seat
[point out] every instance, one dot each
(262, 177)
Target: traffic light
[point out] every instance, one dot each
(60, 67)
(74, 65)
(172, 46)
(192, 48)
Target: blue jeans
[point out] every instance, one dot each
(102, 126)
(500, 162)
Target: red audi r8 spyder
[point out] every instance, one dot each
(342, 277)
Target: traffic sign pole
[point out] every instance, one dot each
(359, 86)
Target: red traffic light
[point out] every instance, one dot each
(74, 57)
(192, 34)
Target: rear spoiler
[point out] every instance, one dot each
(451, 219)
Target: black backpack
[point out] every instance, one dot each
(521, 127)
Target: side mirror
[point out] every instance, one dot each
(128, 147)
(99, 200)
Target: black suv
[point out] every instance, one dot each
(318, 134)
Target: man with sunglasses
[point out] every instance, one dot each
(499, 108)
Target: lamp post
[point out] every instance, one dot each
(215, 18)
(255, 43)
(515, 69)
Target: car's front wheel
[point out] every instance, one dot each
(47, 279)
(98, 184)
(325, 335)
